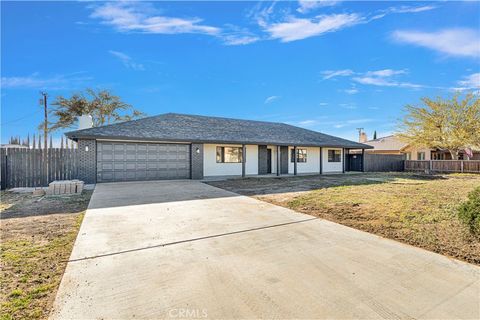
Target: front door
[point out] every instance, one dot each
(269, 160)
(354, 162)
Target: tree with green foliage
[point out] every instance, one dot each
(375, 135)
(445, 124)
(469, 211)
(102, 105)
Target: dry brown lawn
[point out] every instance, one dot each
(37, 236)
(416, 209)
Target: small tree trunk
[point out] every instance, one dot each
(454, 154)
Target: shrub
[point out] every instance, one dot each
(469, 211)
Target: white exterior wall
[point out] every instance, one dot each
(311, 166)
(212, 168)
(251, 163)
(331, 166)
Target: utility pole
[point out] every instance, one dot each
(45, 133)
(359, 133)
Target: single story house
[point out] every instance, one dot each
(385, 145)
(181, 146)
(394, 145)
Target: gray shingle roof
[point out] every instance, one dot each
(194, 128)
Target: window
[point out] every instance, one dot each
(421, 156)
(334, 156)
(301, 155)
(408, 156)
(229, 154)
(438, 156)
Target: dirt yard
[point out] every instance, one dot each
(416, 209)
(37, 235)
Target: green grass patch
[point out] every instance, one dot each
(37, 239)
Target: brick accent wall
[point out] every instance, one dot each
(262, 160)
(196, 161)
(87, 161)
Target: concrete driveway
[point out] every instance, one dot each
(184, 249)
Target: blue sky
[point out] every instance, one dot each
(329, 66)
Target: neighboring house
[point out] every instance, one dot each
(412, 153)
(394, 145)
(386, 145)
(179, 146)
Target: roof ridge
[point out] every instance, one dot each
(391, 135)
(224, 118)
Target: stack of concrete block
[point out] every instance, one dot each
(65, 187)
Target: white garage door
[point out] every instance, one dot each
(118, 161)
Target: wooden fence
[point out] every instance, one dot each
(383, 162)
(466, 166)
(26, 167)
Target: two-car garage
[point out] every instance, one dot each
(128, 161)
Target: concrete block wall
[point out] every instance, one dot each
(87, 161)
(196, 161)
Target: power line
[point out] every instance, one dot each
(21, 118)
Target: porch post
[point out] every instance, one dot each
(321, 161)
(278, 160)
(244, 158)
(363, 160)
(343, 160)
(294, 160)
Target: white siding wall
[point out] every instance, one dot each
(331, 166)
(212, 168)
(251, 165)
(311, 166)
(274, 158)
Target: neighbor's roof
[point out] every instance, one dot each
(193, 128)
(390, 143)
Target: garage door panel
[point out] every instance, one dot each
(118, 166)
(142, 161)
(140, 175)
(119, 156)
(141, 165)
(131, 166)
(106, 147)
(119, 176)
(130, 175)
(106, 166)
(131, 156)
(107, 176)
(151, 175)
(152, 166)
(106, 156)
